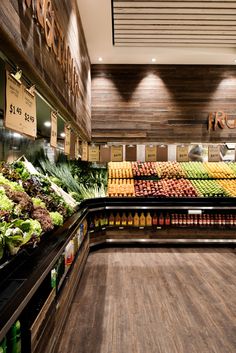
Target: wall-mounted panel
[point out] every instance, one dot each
(48, 44)
(161, 103)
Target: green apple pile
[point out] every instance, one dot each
(195, 170)
(208, 188)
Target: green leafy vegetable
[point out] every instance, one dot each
(57, 218)
(5, 203)
(38, 202)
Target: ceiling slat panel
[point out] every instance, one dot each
(174, 22)
(178, 4)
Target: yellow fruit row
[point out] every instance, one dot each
(121, 187)
(120, 170)
(219, 170)
(229, 186)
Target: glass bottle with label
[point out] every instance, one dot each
(124, 219)
(161, 220)
(130, 220)
(148, 220)
(154, 219)
(136, 219)
(117, 219)
(111, 220)
(142, 220)
(167, 219)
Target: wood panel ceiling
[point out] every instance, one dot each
(203, 23)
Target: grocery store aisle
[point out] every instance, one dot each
(155, 300)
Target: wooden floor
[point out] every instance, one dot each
(155, 300)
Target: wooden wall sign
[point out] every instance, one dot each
(20, 112)
(150, 153)
(162, 153)
(105, 153)
(84, 155)
(182, 154)
(72, 145)
(67, 139)
(117, 153)
(53, 135)
(93, 153)
(130, 153)
(213, 153)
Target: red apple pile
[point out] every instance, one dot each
(165, 188)
(144, 169)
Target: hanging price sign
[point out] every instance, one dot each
(117, 153)
(214, 153)
(150, 154)
(84, 156)
(93, 153)
(182, 153)
(53, 137)
(77, 147)
(20, 113)
(67, 140)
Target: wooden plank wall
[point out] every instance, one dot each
(23, 42)
(161, 103)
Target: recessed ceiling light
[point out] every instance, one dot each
(47, 123)
(154, 60)
(100, 58)
(62, 134)
(235, 60)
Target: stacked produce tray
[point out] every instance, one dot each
(173, 179)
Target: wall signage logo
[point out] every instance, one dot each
(220, 119)
(44, 13)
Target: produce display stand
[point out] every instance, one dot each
(28, 275)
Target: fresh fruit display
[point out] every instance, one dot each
(146, 169)
(118, 170)
(170, 170)
(165, 188)
(194, 170)
(120, 187)
(219, 170)
(229, 186)
(208, 188)
(29, 207)
(232, 166)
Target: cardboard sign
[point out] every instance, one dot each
(67, 140)
(130, 153)
(182, 154)
(117, 153)
(105, 153)
(150, 153)
(214, 153)
(53, 137)
(77, 147)
(93, 153)
(20, 112)
(84, 156)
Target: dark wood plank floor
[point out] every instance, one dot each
(156, 300)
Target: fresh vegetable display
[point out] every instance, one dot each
(29, 207)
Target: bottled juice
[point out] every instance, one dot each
(148, 220)
(96, 221)
(136, 219)
(161, 220)
(111, 220)
(130, 220)
(167, 219)
(117, 219)
(106, 220)
(154, 220)
(142, 220)
(123, 219)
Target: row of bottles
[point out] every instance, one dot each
(214, 219)
(12, 342)
(148, 219)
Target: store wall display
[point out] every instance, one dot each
(161, 103)
(48, 45)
